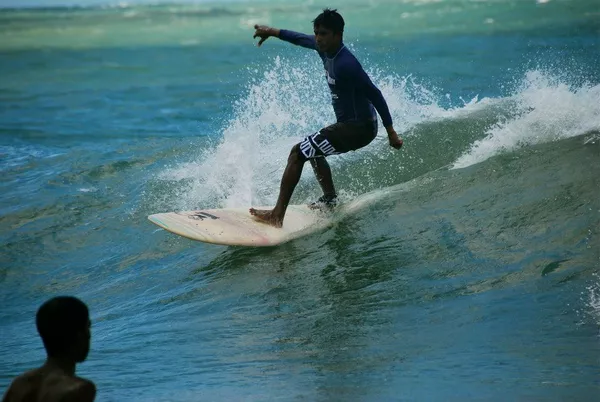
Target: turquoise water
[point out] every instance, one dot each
(475, 278)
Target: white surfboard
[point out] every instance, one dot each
(236, 227)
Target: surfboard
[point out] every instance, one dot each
(236, 227)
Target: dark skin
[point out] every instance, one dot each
(56, 380)
(329, 42)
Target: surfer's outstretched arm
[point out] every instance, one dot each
(264, 32)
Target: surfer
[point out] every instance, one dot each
(355, 99)
(64, 325)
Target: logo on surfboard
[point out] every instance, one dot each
(200, 216)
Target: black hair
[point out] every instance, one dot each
(330, 19)
(59, 320)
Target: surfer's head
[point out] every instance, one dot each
(329, 30)
(64, 326)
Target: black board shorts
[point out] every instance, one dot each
(339, 138)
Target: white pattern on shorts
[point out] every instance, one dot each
(314, 146)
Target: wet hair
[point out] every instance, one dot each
(330, 19)
(59, 320)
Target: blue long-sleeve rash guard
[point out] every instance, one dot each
(352, 91)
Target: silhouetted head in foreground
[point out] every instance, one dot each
(63, 323)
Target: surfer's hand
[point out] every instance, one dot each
(264, 32)
(395, 141)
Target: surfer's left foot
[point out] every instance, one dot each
(267, 217)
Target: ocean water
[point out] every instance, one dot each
(476, 277)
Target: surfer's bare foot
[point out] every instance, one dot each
(324, 203)
(267, 217)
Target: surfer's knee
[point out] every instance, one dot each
(296, 155)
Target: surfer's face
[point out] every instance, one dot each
(327, 40)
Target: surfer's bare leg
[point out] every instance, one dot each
(323, 172)
(291, 177)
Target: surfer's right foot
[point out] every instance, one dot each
(267, 217)
(324, 202)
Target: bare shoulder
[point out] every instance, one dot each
(20, 388)
(81, 389)
(38, 384)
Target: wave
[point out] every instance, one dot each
(280, 107)
(286, 103)
(546, 109)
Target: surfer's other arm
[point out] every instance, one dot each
(264, 32)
